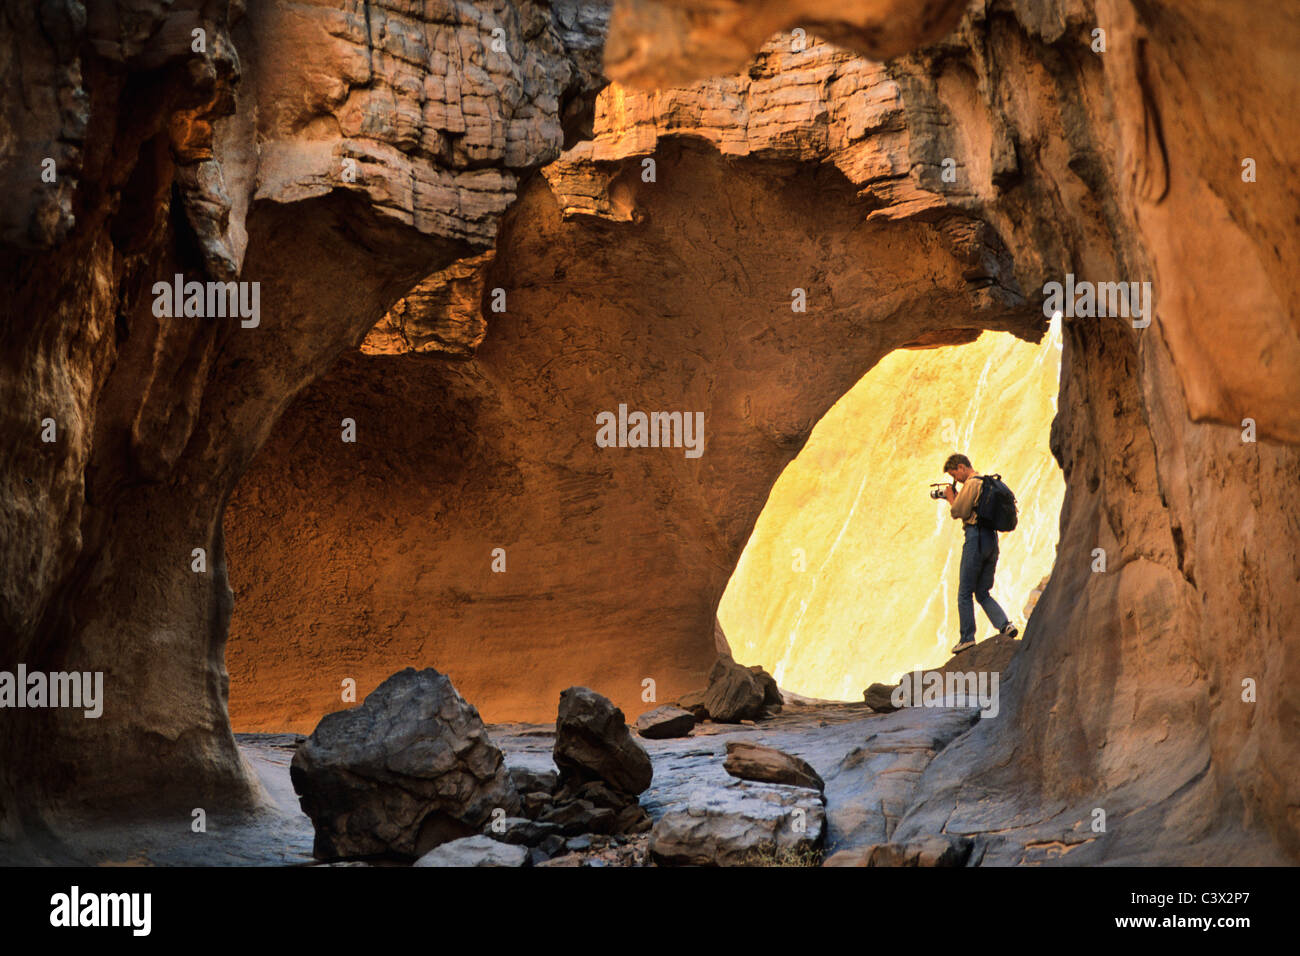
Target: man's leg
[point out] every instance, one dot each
(967, 581)
(997, 617)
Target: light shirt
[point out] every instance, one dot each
(963, 506)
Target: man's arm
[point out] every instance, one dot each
(964, 503)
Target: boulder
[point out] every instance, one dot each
(478, 850)
(596, 792)
(592, 742)
(410, 768)
(750, 761)
(534, 781)
(664, 722)
(725, 826)
(735, 692)
(694, 702)
(548, 848)
(631, 819)
(879, 697)
(524, 832)
(535, 804)
(581, 816)
(772, 699)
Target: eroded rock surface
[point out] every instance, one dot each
(874, 784)
(734, 826)
(673, 295)
(813, 170)
(332, 155)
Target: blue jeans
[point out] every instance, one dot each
(979, 559)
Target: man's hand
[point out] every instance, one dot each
(949, 495)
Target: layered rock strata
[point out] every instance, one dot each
(338, 157)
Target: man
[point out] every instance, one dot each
(979, 555)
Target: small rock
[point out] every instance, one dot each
(536, 804)
(631, 819)
(552, 845)
(878, 696)
(767, 764)
(477, 850)
(577, 844)
(524, 832)
(595, 792)
(694, 702)
(534, 781)
(581, 816)
(664, 722)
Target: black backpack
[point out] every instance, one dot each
(996, 507)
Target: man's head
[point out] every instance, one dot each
(959, 467)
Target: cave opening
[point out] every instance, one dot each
(477, 524)
(850, 573)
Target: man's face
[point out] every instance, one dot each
(959, 474)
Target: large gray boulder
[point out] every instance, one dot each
(410, 768)
(475, 851)
(592, 743)
(727, 826)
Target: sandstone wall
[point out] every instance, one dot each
(219, 155)
(230, 162)
(670, 295)
(1112, 166)
(1128, 164)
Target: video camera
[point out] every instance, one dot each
(937, 489)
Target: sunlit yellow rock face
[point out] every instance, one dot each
(850, 575)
